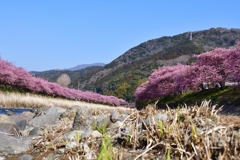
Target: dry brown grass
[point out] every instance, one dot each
(196, 132)
(34, 101)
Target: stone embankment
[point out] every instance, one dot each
(27, 135)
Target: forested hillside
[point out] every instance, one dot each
(123, 75)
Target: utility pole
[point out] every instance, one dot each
(78, 85)
(190, 35)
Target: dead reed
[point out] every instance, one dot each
(189, 132)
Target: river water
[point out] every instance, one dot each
(14, 110)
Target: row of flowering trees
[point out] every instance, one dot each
(17, 77)
(215, 67)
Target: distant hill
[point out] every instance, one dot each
(82, 66)
(52, 75)
(124, 74)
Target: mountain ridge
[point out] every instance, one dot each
(82, 66)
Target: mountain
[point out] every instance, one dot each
(124, 74)
(82, 66)
(52, 75)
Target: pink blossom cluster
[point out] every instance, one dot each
(216, 66)
(159, 84)
(19, 78)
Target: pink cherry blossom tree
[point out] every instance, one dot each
(19, 78)
(163, 82)
(216, 66)
(224, 62)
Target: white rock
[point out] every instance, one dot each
(51, 111)
(43, 120)
(2, 158)
(116, 125)
(25, 157)
(71, 144)
(96, 134)
(6, 119)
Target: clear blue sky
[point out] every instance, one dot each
(41, 35)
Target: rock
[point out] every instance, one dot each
(121, 117)
(75, 135)
(86, 148)
(71, 144)
(60, 151)
(63, 115)
(149, 121)
(6, 119)
(9, 113)
(51, 111)
(26, 131)
(221, 143)
(21, 124)
(86, 133)
(83, 120)
(116, 125)
(127, 130)
(88, 153)
(72, 135)
(33, 111)
(25, 157)
(9, 129)
(199, 131)
(28, 115)
(75, 107)
(36, 131)
(51, 156)
(60, 110)
(43, 120)
(127, 112)
(19, 117)
(42, 109)
(160, 117)
(2, 158)
(153, 120)
(14, 145)
(96, 134)
(103, 120)
(114, 116)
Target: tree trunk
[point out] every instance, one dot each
(222, 85)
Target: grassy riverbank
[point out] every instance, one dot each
(28, 100)
(228, 97)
